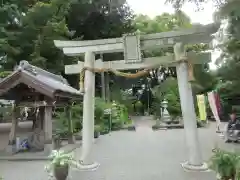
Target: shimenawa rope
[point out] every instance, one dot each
(127, 75)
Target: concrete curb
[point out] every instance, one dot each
(32, 157)
(165, 127)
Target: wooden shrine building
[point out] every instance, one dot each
(30, 86)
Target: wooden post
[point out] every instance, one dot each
(48, 127)
(103, 93)
(40, 119)
(71, 139)
(103, 86)
(48, 124)
(12, 134)
(107, 87)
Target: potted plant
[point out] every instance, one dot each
(60, 163)
(225, 164)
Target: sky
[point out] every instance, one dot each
(153, 8)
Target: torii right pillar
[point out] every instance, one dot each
(195, 161)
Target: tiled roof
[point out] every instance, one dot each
(38, 79)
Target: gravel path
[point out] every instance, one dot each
(129, 155)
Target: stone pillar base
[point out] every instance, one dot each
(188, 167)
(48, 149)
(71, 140)
(89, 167)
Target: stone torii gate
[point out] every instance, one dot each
(132, 45)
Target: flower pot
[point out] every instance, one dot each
(225, 177)
(175, 122)
(168, 122)
(96, 134)
(131, 128)
(61, 172)
(104, 132)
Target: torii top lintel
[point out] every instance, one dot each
(198, 34)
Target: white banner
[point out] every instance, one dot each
(213, 106)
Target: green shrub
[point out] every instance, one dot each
(97, 128)
(225, 164)
(139, 107)
(4, 74)
(104, 121)
(168, 90)
(77, 112)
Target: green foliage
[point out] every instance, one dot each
(162, 23)
(110, 115)
(101, 117)
(119, 116)
(61, 126)
(138, 107)
(97, 128)
(127, 102)
(77, 112)
(177, 4)
(4, 74)
(28, 28)
(168, 90)
(172, 96)
(226, 164)
(33, 37)
(205, 80)
(156, 108)
(99, 19)
(229, 38)
(123, 97)
(107, 116)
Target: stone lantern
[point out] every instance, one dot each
(165, 115)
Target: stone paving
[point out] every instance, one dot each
(129, 155)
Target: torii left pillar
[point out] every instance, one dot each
(88, 114)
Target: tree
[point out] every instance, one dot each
(229, 62)
(99, 19)
(162, 23)
(170, 22)
(179, 3)
(28, 29)
(31, 34)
